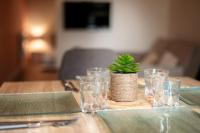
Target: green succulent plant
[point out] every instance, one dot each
(124, 63)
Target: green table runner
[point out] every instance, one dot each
(38, 103)
(163, 120)
(190, 96)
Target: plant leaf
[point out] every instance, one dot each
(125, 63)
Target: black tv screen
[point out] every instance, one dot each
(86, 14)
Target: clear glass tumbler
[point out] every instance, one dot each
(102, 74)
(171, 92)
(153, 79)
(90, 93)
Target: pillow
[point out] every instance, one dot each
(150, 59)
(168, 60)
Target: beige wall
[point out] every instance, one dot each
(39, 26)
(185, 19)
(135, 25)
(39, 17)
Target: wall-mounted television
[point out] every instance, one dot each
(86, 15)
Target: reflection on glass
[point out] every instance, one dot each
(164, 123)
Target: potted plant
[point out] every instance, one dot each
(124, 78)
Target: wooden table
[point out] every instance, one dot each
(87, 123)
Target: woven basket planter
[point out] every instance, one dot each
(123, 87)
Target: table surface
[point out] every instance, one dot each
(87, 123)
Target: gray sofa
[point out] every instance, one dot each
(187, 56)
(76, 61)
(180, 57)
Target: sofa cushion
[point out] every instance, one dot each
(169, 60)
(150, 59)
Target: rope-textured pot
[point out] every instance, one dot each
(123, 87)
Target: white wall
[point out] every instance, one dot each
(135, 25)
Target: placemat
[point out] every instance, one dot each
(159, 120)
(190, 95)
(38, 103)
(140, 103)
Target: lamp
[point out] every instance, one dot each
(35, 40)
(37, 31)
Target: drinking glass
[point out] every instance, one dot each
(90, 91)
(102, 74)
(158, 95)
(171, 92)
(153, 79)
